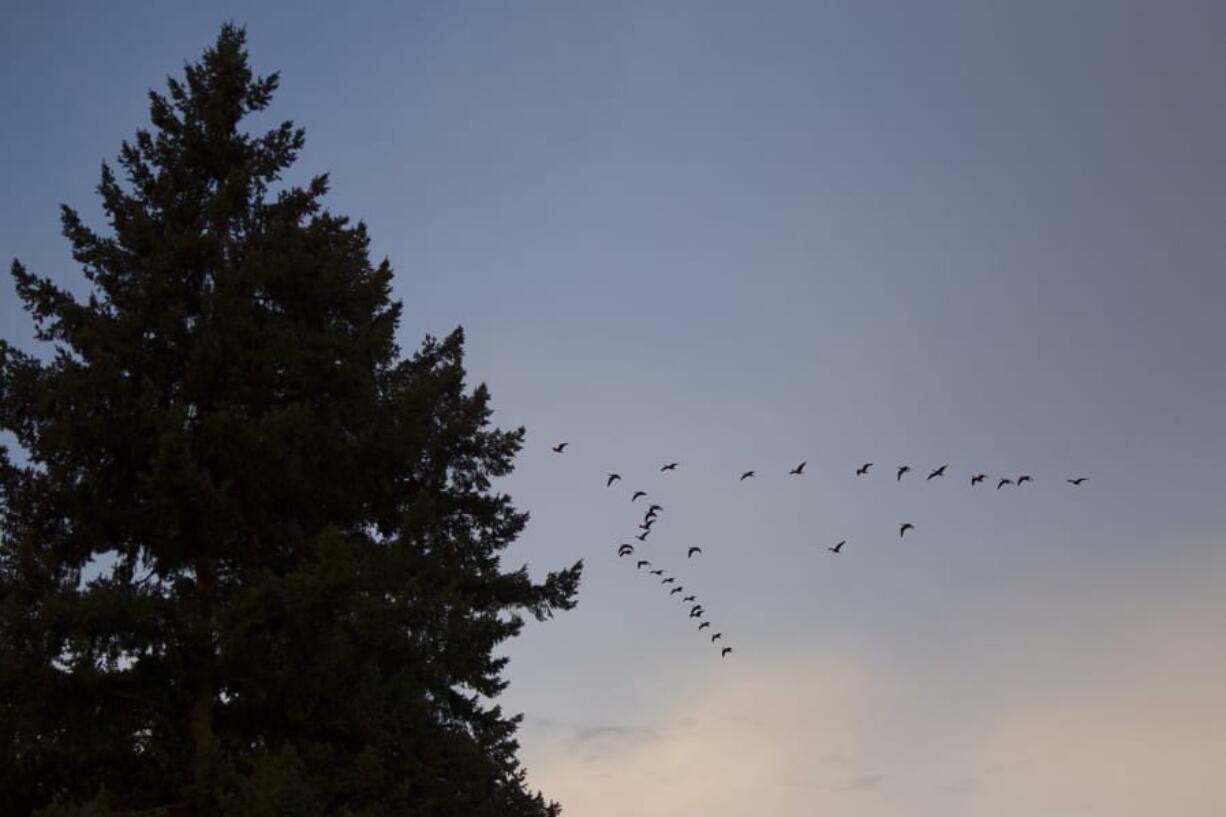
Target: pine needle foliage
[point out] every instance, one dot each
(300, 593)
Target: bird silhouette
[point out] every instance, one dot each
(697, 612)
(937, 472)
(612, 479)
(902, 469)
(651, 509)
(1003, 483)
(641, 563)
(837, 547)
(1024, 478)
(690, 553)
(656, 572)
(978, 478)
(668, 580)
(800, 469)
(672, 466)
(625, 550)
(648, 523)
(704, 625)
(863, 469)
(688, 598)
(638, 494)
(724, 652)
(904, 527)
(745, 476)
(1077, 481)
(560, 447)
(642, 537)
(716, 637)
(676, 590)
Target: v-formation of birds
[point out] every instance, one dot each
(696, 610)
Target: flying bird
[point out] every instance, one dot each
(668, 580)
(906, 526)
(902, 469)
(638, 494)
(937, 472)
(648, 523)
(837, 547)
(863, 469)
(724, 652)
(612, 479)
(625, 550)
(641, 563)
(690, 553)
(672, 466)
(1024, 478)
(676, 590)
(704, 624)
(800, 469)
(697, 612)
(656, 572)
(642, 537)
(745, 476)
(1003, 483)
(1077, 481)
(716, 637)
(651, 509)
(688, 598)
(978, 478)
(560, 447)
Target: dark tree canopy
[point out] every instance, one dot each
(301, 590)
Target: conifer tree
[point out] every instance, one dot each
(300, 591)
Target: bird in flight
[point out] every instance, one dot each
(904, 527)
(651, 510)
(668, 580)
(560, 447)
(1077, 481)
(648, 523)
(1003, 483)
(745, 476)
(689, 598)
(638, 494)
(697, 612)
(837, 547)
(642, 537)
(902, 469)
(672, 466)
(690, 554)
(1024, 478)
(937, 472)
(800, 469)
(724, 652)
(863, 469)
(704, 624)
(641, 563)
(978, 478)
(676, 590)
(612, 479)
(656, 572)
(716, 637)
(625, 550)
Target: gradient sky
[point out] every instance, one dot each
(741, 235)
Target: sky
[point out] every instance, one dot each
(742, 235)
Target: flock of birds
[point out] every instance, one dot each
(696, 609)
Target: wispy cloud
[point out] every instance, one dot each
(1131, 725)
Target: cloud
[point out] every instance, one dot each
(1129, 723)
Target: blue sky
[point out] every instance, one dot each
(743, 235)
